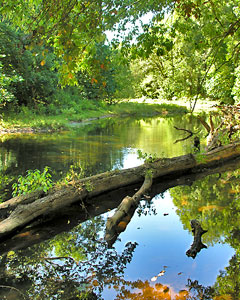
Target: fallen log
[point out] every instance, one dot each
(29, 209)
(124, 213)
(68, 217)
(197, 244)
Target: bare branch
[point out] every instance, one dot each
(185, 138)
(205, 124)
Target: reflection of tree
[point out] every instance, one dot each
(226, 287)
(198, 291)
(146, 207)
(68, 267)
(146, 291)
(78, 262)
(228, 282)
(80, 241)
(214, 202)
(98, 144)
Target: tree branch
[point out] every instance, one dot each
(122, 216)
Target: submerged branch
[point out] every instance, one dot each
(185, 138)
(197, 244)
(183, 129)
(125, 211)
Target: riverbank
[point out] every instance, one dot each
(201, 105)
(27, 120)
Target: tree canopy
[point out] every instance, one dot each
(193, 51)
(73, 27)
(188, 49)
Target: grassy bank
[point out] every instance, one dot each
(41, 119)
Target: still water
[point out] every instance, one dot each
(149, 260)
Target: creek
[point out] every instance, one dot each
(149, 259)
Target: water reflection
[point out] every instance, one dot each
(103, 145)
(214, 201)
(77, 262)
(99, 146)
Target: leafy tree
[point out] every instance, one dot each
(73, 27)
(104, 74)
(190, 48)
(192, 51)
(30, 69)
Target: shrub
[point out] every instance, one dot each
(34, 180)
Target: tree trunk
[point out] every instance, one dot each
(22, 210)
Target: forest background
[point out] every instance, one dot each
(56, 60)
(57, 65)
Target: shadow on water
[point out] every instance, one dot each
(65, 257)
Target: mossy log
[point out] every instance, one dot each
(20, 211)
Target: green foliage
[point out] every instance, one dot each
(30, 75)
(146, 109)
(104, 74)
(34, 180)
(72, 28)
(6, 89)
(31, 69)
(70, 101)
(149, 173)
(193, 51)
(5, 181)
(236, 87)
(89, 186)
(147, 157)
(75, 172)
(200, 158)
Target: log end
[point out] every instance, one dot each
(193, 251)
(197, 244)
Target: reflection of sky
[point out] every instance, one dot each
(131, 160)
(163, 242)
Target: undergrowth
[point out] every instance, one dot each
(56, 117)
